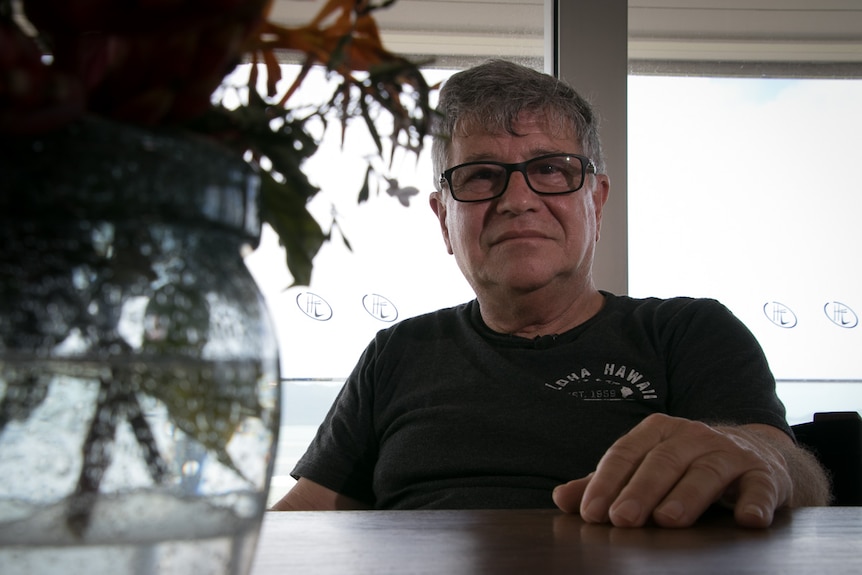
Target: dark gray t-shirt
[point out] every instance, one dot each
(442, 412)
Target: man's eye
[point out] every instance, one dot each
(548, 169)
(567, 171)
(484, 174)
(479, 176)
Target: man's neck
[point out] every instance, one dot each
(535, 314)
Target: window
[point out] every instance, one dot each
(746, 88)
(743, 189)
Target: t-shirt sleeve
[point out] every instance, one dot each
(342, 454)
(718, 370)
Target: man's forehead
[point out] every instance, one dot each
(527, 122)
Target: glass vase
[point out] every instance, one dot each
(139, 390)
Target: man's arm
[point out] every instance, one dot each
(306, 495)
(672, 469)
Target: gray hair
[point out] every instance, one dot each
(494, 93)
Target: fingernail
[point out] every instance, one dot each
(754, 511)
(595, 511)
(673, 510)
(629, 511)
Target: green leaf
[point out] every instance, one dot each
(207, 403)
(284, 208)
(365, 191)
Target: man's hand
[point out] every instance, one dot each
(671, 470)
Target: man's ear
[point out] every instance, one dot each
(439, 207)
(600, 197)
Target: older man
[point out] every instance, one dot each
(545, 390)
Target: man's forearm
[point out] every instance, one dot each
(811, 482)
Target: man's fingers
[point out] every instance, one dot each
(568, 495)
(759, 496)
(699, 487)
(672, 470)
(613, 496)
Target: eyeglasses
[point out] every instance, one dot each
(550, 174)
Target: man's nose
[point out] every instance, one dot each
(517, 194)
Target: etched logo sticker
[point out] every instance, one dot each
(314, 306)
(841, 314)
(779, 314)
(379, 307)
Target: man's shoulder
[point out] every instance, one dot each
(671, 318)
(442, 314)
(662, 307)
(443, 318)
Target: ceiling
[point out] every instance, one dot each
(807, 31)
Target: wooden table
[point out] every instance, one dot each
(820, 541)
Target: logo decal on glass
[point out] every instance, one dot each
(840, 314)
(380, 307)
(313, 306)
(779, 314)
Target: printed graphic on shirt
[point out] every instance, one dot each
(612, 382)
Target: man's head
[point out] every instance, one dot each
(494, 94)
(528, 169)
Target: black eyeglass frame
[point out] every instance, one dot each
(587, 165)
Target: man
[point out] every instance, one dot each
(544, 390)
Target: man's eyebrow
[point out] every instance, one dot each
(534, 153)
(479, 157)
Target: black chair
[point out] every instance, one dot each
(835, 438)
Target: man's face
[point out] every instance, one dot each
(521, 241)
